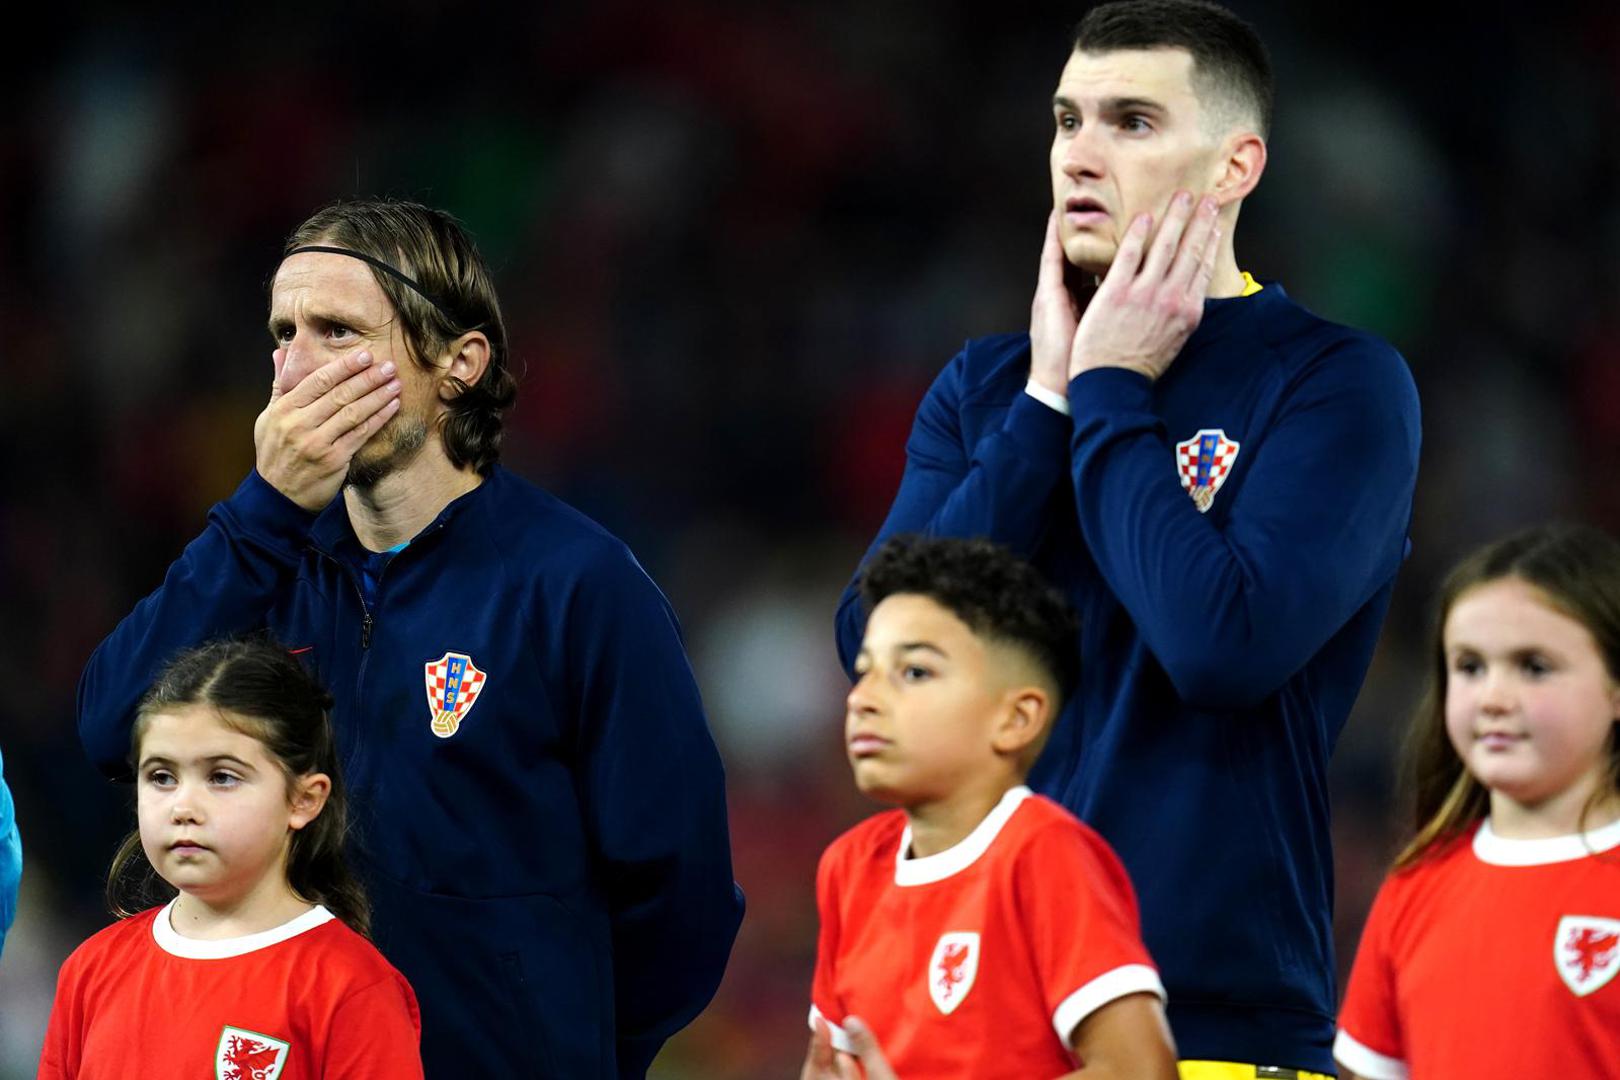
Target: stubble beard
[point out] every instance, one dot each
(404, 437)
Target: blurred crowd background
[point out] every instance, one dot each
(735, 242)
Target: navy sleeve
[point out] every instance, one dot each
(225, 582)
(1001, 492)
(654, 799)
(1317, 528)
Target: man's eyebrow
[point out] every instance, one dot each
(1131, 104)
(1112, 105)
(321, 318)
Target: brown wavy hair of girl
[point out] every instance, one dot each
(1576, 568)
(260, 690)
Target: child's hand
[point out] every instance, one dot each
(822, 1062)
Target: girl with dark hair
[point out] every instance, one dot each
(1492, 948)
(258, 963)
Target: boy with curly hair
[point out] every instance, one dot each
(977, 929)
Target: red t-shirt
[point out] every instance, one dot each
(309, 999)
(1491, 958)
(982, 959)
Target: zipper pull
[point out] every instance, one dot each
(365, 631)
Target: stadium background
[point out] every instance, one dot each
(734, 243)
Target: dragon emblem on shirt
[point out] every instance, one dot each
(248, 1055)
(1587, 952)
(952, 969)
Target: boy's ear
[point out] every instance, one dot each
(308, 799)
(1022, 719)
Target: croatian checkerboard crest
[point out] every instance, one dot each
(1204, 462)
(453, 685)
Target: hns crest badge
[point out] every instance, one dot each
(453, 684)
(247, 1055)
(1204, 462)
(951, 970)
(1586, 950)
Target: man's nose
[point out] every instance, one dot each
(304, 355)
(1082, 154)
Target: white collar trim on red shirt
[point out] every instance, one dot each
(170, 941)
(1501, 851)
(960, 855)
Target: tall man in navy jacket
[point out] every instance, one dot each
(1222, 483)
(541, 816)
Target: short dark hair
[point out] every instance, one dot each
(263, 691)
(999, 596)
(1228, 56)
(432, 249)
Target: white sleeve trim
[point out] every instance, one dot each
(1365, 1062)
(1109, 986)
(1047, 398)
(840, 1040)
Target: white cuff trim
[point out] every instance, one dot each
(1366, 1063)
(1047, 398)
(840, 1040)
(1109, 986)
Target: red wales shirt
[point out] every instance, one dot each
(308, 999)
(1492, 958)
(982, 959)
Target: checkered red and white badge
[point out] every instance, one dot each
(1204, 462)
(453, 684)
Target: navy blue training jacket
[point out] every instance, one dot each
(1221, 651)
(554, 878)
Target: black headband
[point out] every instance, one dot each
(385, 268)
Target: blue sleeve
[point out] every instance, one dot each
(1001, 492)
(1317, 528)
(225, 582)
(10, 858)
(654, 799)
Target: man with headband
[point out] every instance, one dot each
(540, 808)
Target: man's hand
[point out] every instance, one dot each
(1053, 316)
(822, 1062)
(305, 436)
(1144, 311)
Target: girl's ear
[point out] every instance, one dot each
(308, 799)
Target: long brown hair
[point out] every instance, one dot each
(1576, 568)
(433, 249)
(263, 692)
